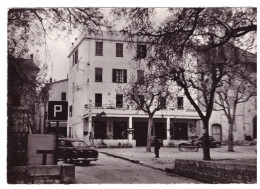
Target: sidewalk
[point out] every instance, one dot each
(242, 154)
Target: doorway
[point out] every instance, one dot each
(216, 132)
(181, 131)
(100, 130)
(140, 133)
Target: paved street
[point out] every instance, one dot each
(113, 170)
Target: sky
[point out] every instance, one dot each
(59, 49)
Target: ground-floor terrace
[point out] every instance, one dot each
(115, 129)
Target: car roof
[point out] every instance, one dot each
(70, 139)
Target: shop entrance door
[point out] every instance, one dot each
(140, 133)
(181, 131)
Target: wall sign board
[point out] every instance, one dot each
(58, 111)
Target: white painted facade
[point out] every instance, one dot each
(244, 122)
(82, 88)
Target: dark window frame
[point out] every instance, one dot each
(141, 51)
(119, 100)
(98, 74)
(119, 76)
(140, 76)
(63, 96)
(76, 58)
(98, 99)
(119, 50)
(99, 48)
(180, 103)
(163, 102)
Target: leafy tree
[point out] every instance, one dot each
(186, 35)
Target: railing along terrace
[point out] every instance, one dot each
(111, 106)
(127, 107)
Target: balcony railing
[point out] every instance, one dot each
(127, 107)
(111, 106)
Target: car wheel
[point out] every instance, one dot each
(200, 145)
(180, 146)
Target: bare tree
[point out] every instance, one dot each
(32, 26)
(148, 95)
(237, 87)
(184, 36)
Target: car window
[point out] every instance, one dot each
(78, 143)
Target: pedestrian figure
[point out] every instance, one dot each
(86, 138)
(91, 139)
(157, 146)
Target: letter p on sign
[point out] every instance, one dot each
(57, 108)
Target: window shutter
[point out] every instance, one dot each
(125, 76)
(114, 75)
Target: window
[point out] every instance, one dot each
(180, 103)
(119, 49)
(99, 48)
(140, 76)
(163, 102)
(98, 74)
(63, 96)
(75, 57)
(98, 100)
(141, 100)
(119, 100)
(119, 76)
(141, 51)
(70, 111)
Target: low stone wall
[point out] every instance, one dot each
(216, 172)
(41, 174)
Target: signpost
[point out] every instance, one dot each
(57, 111)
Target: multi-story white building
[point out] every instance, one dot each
(98, 67)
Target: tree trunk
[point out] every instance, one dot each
(230, 136)
(149, 134)
(206, 146)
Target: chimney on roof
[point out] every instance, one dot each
(72, 43)
(76, 39)
(31, 56)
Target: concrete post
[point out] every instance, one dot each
(168, 129)
(130, 134)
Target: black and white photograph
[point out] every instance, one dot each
(129, 94)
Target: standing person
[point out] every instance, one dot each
(157, 146)
(91, 139)
(86, 138)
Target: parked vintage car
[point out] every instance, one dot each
(212, 142)
(76, 151)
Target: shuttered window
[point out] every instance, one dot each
(98, 74)
(141, 51)
(119, 100)
(119, 49)
(99, 48)
(140, 76)
(119, 76)
(98, 99)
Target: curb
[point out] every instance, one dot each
(167, 170)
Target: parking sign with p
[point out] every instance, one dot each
(58, 111)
